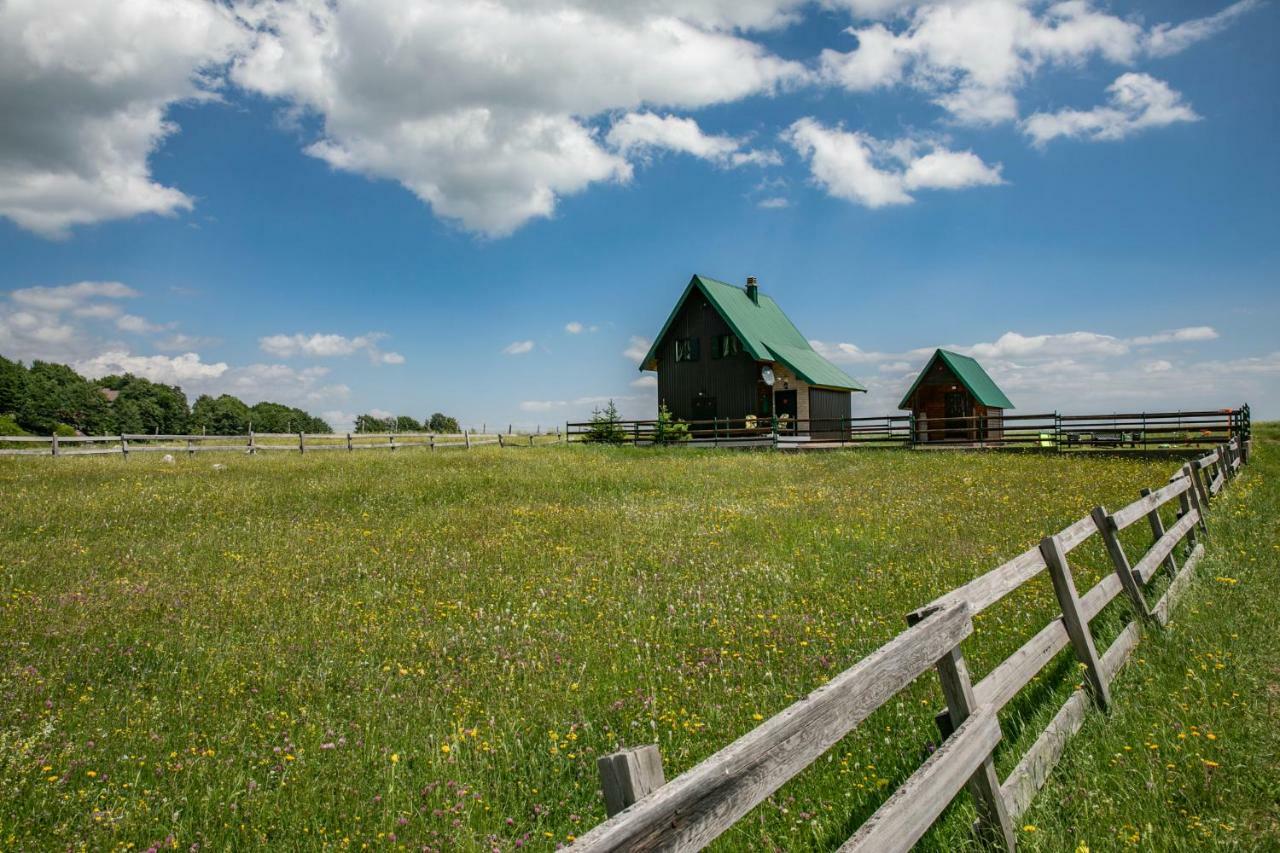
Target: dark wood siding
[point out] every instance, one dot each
(828, 410)
(731, 381)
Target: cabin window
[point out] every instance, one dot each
(723, 346)
(686, 349)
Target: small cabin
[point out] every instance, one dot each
(729, 353)
(953, 399)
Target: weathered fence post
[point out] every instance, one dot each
(124, 446)
(391, 440)
(994, 823)
(431, 441)
(302, 443)
(1077, 627)
(348, 442)
(1157, 530)
(191, 447)
(466, 437)
(628, 776)
(1197, 480)
(54, 444)
(635, 432)
(500, 444)
(1107, 529)
(1184, 509)
(251, 447)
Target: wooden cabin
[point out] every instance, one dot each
(728, 352)
(953, 399)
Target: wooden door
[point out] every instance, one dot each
(956, 405)
(784, 403)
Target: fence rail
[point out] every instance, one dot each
(259, 442)
(1140, 430)
(694, 808)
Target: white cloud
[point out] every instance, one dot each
(645, 132)
(773, 203)
(573, 327)
(1076, 371)
(873, 173)
(63, 323)
(179, 342)
(646, 381)
(139, 325)
(845, 353)
(1168, 39)
(1136, 102)
(482, 109)
(382, 413)
(279, 383)
(326, 345)
(972, 56)
(86, 86)
(518, 348)
(1188, 333)
(71, 296)
(637, 348)
(177, 370)
(97, 311)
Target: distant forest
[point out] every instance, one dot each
(48, 398)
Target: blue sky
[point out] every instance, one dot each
(488, 209)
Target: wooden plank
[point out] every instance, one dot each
(907, 815)
(1092, 602)
(1157, 531)
(697, 806)
(1004, 682)
(629, 776)
(1034, 768)
(1118, 653)
(1146, 567)
(1164, 607)
(1148, 503)
(1077, 626)
(980, 593)
(1121, 562)
(105, 451)
(1216, 485)
(1072, 537)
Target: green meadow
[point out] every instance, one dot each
(430, 650)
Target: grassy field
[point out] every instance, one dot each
(1189, 759)
(431, 649)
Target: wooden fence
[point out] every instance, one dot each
(1051, 431)
(697, 806)
(97, 445)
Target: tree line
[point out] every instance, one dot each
(438, 422)
(47, 398)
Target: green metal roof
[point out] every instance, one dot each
(765, 332)
(971, 376)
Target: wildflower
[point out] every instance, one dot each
(395, 758)
(1030, 827)
(444, 747)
